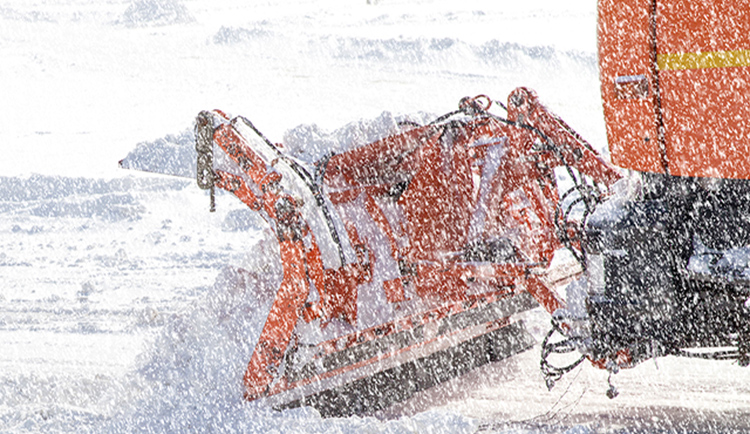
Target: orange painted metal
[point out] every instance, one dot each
(436, 204)
(629, 85)
(301, 263)
(383, 330)
(394, 290)
(280, 323)
(676, 85)
(454, 184)
(706, 97)
(438, 165)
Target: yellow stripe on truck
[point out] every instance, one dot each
(709, 59)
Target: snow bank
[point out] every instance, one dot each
(156, 13)
(430, 52)
(438, 51)
(309, 142)
(25, 403)
(42, 187)
(54, 196)
(191, 378)
(242, 220)
(173, 154)
(228, 35)
(9, 13)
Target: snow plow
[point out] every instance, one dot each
(409, 260)
(406, 260)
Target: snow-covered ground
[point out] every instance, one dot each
(116, 311)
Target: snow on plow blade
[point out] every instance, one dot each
(405, 260)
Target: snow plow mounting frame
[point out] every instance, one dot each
(456, 215)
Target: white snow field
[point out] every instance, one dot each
(119, 311)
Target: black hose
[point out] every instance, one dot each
(554, 373)
(561, 216)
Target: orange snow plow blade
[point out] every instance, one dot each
(406, 260)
